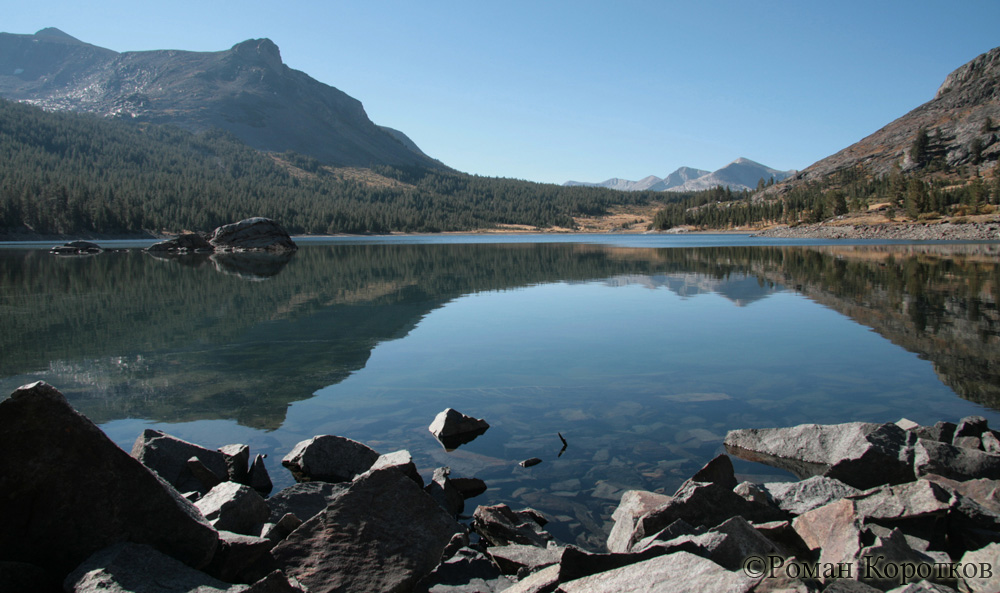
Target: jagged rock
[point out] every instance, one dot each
(304, 500)
(501, 526)
(469, 487)
(329, 458)
(943, 432)
(633, 505)
(280, 530)
(77, 248)
(806, 495)
(237, 458)
(971, 426)
(717, 471)
(512, 558)
(453, 428)
(138, 568)
(892, 550)
(846, 585)
(276, 582)
(446, 495)
(183, 242)
(252, 234)
(835, 531)
(979, 582)
(905, 501)
(69, 491)
(200, 471)
(671, 573)
(991, 444)
(234, 507)
(467, 571)
(860, 454)
(258, 478)
(401, 461)
(968, 443)
(701, 504)
(543, 581)
(783, 535)
(235, 554)
(728, 544)
(383, 533)
(984, 492)
(957, 463)
(754, 493)
(168, 457)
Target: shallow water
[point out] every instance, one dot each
(642, 351)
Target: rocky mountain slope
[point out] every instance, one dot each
(246, 90)
(962, 124)
(738, 175)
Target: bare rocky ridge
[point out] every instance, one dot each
(246, 90)
(954, 119)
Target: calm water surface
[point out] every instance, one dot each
(642, 351)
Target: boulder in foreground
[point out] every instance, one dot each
(70, 491)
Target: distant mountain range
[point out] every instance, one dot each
(245, 90)
(738, 175)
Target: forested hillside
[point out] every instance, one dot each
(76, 174)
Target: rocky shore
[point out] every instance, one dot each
(878, 507)
(943, 231)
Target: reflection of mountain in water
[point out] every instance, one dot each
(128, 336)
(741, 289)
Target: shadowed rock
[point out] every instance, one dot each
(501, 526)
(252, 234)
(329, 458)
(681, 571)
(69, 491)
(234, 507)
(168, 456)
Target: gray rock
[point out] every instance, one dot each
(383, 533)
(891, 550)
(923, 587)
(237, 458)
(850, 586)
(862, 455)
(906, 501)
(183, 242)
(467, 571)
(990, 442)
(673, 573)
(168, 457)
(971, 426)
(280, 530)
(276, 582)
(701, 504)
(530, 462)
(200, 471)
(981, 583)
(234, 507)
(502, 526)
(512, 558)
(252, 234)
(138, 568)
(633, 505)
(738, 541)
(304, 500)
(957, 463)
(453, 428)
(77, 248)
(446, 495)
(69, 491)
(258, 478)
(543, 581)
(400, 461)
(806, 495)
(968, 442)
(237, 553)
(754, 493)
(329, 458)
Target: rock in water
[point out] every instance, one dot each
(382, 534)
(252, 234)
(329, 458)
(453, 428)
(168, 456)
(184, 242)
(69, 491)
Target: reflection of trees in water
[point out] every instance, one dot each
(174, 340)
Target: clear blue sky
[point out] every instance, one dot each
(584, 90)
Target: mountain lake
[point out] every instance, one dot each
(642, 351)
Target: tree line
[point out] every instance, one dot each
(67, 173)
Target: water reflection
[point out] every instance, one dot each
(642, 358)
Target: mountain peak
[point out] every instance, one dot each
(53, 34)
(259, 49)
